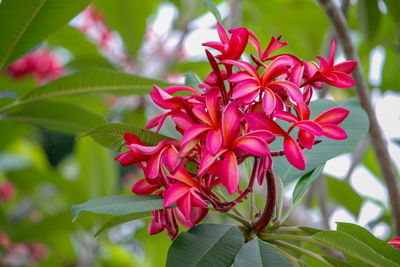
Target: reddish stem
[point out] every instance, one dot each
(214, 66)
(261, 223)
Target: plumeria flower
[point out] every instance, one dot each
(395, 242)
(335, 75)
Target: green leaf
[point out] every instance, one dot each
(368, 15)
(209, 4)
(90, 81)
(117, 220)
(128, 18)
(356, 126)
(111, 135)
(24, 23)
(336, 262)
(98, 169)
(56, 116)
(343, 194)
(119, 205)
(351, 247)
(304, 183)
(258, 253)
(363, 235)
(309, 230)
(206, 245)
(394, 9)
(192, 79)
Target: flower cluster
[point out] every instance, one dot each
(231, 117)
(44, 65)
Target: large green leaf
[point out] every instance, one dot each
(111, 135)
(206, 245)
(119, 205)
(90, 81)
(128, 18)
(24, 23)
(258, 253)
(351, 247)
(356, 126)
(369, 239)
(117, 220)
(56, 116)
(343, 194)
(98, 170)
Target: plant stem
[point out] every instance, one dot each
(261, 223)
(303, 251)
(240, 219)
(287, 255)
(378, 141)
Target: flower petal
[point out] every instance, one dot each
(214, 141)
(196, 199)
(332, 116)
(244, 88)
(192, 133)
(293, 90)
(332, 54)
(338, 79)
(174, 193)
(259, 121)
(306, 139)
(184, 205)
(264, 135)
(276, 68)
(310, 126)
(293, 152)
(268, 101)
(286, 116)
(273, 45)
(333, 131)
(230, 123)
(239, 77)
(346, 66)
(183, 176)
(142, 187)
(252, 145)
(230, 172)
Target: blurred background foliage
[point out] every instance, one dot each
(45, 167)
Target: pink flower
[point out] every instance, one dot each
(395, 242)
(7, 191)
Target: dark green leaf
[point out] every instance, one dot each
(258, 253)
(352, 247)
(206, 245)
(343, 194)
(305, 182)
(336, 262)
(119, 205)
(90, 81)
(117, 220)
(309, 230)
(24, 23)
(379, 246)
(368, 15)
(356, 126)
(209, 4)
(56, 116)
(111, 135)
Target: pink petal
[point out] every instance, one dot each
(293, 90)
(178, 88)
(211, 97)
(198, 214)
(324, 64)
(333, 131)
(174, 193)
(250, 97)
(142, 187)
(201, 113)
(187, 223)
(306, 139)
(127, 159)
(293, 152)
(230, 172)
(296, 74)
(154, 165)
(239, 77)
(216, 45)
(155, 227)
(346, 66)
(269, 101)
(132, 139)
(255, 43)
(207, 160)
(332, 54)
(276, 68)
(183, 176)
(222, 33)
(183, 121)
(261, 172)
(394, 241)
(259, 121)
(338, 79)
(184, 205)
(332, 116)
(214, 141)
(230, 122)
(238, 42)
(286, 116)
(243, 65)
(273, 45)
(244, 88)
(264, 135)
(170, 158)
(310, 126)
(196, 199)
(192, 133)
(252, 145)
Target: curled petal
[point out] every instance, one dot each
(155, 226)
(230, 172)
(293, 90)
(244, 88)
(192, 133)
(239, 77)
(273, 45)
(269, 101)
(264, 135)
(332, 116)
(142, 187)
(170, 158)
(252, 145)
(196, 199)
(278, 66)
(187, 223)
(201, 113)
(338, 79)
(332, 54)
(183, 121)
(230, 122)
(296, 74)
(243, 65)
(293, 152)
(184, 205)
(132, 139)
(333, 131)
(306, 139)
(128, 158)
(214, 141)
(211, 97)
(223, 36)
(183, 176)
(286, 116)
(207, 161)
(178, 88)
(310, 126)
(324, 64)
(216, 45)
(346, 66)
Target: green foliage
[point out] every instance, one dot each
(209, 4)
(111, 135)
(119, 205)
(206, 245)
(356, 126)
(304, 183)
(23, 28)
(368, 18)
(258, 253)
